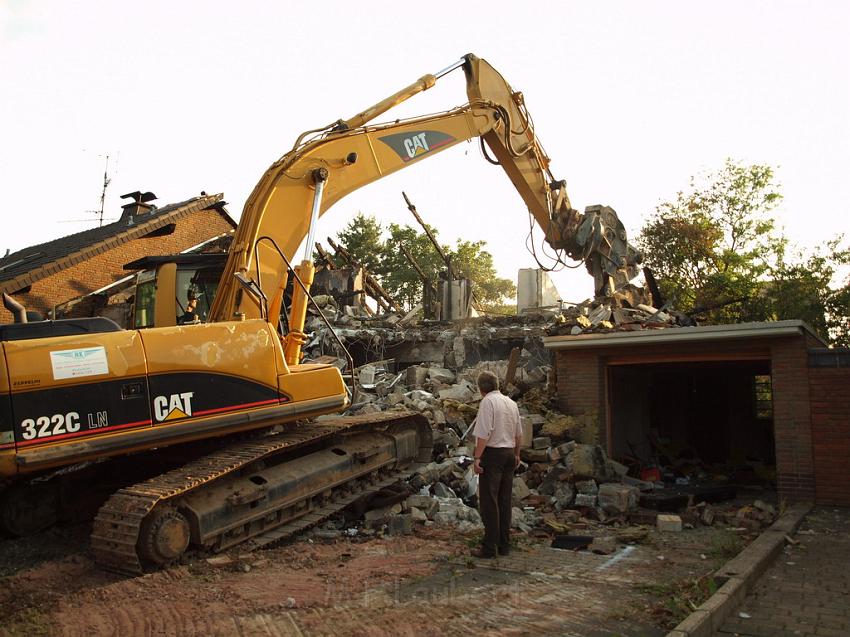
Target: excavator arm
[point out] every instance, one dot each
(320, 170)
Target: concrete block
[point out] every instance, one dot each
(418, 515)
(541, 442)
(442, 491)
(441, 375)
(586, 487)
(400, 524)
(585, 500)
(415, 376)
(566, 448)
(669, 523)
(588, 461)
(461, 392)
(617, 498)
(520, 491)
(379, 514)
(445, 518)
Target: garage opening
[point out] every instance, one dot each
(695, 422)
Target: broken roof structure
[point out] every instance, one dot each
(31, 273)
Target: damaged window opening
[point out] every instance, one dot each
(762, 397)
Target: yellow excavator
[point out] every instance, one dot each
(75, 392)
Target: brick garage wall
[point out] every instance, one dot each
(106, 267)
(581, 387)
(581, 391)
(792, 423)
(582, 373)
(830, 413)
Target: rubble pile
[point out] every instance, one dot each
(563, 485)
(607, 316)
(566, 483)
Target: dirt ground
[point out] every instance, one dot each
(420, 584)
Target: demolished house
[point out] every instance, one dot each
(76, 272)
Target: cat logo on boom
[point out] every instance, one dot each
(412, 145)
(173, 407)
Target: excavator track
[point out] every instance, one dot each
(120, 522)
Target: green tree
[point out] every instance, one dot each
(801, 288)
(470, 260)
(717, 255)
(397, 275)
(386, 260)
(711, 247)
(362, 237)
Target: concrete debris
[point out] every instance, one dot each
(669, 523)
(589, 461)
(518, 520)
(520, 491)
(440, 375)
(603, 545)
(418, 515)
(566, 484)
(587, 487)
(378, 516)
(617, 498)
(442, 491)
(585, 500)
(462, 392)
(401, 524)
(542, 442)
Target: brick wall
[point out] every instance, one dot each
(829, 389)
(792, 423)
(581, 387)
(87, 275)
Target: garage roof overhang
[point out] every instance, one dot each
(709, 333)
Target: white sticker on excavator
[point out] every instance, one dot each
(77, 363)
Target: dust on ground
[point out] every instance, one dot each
(418, 584)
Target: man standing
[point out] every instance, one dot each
(498, 437)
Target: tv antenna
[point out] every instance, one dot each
(106, 182)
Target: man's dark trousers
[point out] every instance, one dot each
(494, 497)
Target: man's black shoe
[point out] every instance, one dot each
(482, 553)
(504, 550)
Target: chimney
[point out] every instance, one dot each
(137, 208)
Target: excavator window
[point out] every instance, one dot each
(196, 287)
(145, 299)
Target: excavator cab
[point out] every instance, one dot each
(175, 289)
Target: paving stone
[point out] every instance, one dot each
(806, 590)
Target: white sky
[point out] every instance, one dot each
(628, 98)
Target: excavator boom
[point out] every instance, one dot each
(302, 185)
